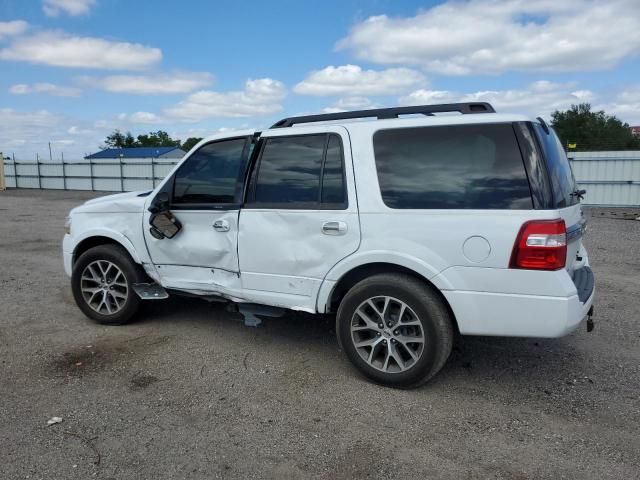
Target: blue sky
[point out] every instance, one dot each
(73, 70)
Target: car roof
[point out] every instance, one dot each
(418, 121)
(374, 124)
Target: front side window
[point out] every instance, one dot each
(302, 171)
(211, 174)
(451, 167)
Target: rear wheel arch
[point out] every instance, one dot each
(361, 272)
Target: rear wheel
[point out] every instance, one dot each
(102, 281)
(395, 330)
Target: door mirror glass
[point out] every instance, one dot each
(164, 225)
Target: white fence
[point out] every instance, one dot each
(105, 175)
(610, 178)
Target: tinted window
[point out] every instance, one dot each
(562, 182)
(534, 165)
(211, 174)
(460, 166)
(333, 188)
(289, 170)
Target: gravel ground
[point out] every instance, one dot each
(188, 392)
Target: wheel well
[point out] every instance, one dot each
(91, 242)
(351, 278)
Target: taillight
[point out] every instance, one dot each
(540, 245)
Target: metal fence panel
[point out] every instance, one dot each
(610, 178)
(106, 175)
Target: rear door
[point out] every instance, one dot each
(563, 188)
(300, 217)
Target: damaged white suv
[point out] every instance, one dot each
(408, 229)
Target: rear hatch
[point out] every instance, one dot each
(566, 198)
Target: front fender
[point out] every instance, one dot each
(356, 260)
(117, 237)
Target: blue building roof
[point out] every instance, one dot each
(136, 152)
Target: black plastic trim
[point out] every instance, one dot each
(387, 113)
(584, 281)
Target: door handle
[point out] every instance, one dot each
(334, 228)
(221, 226)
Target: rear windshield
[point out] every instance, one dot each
(562, 182)
(455, 166)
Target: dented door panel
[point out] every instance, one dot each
(286, 252)
(199, 256)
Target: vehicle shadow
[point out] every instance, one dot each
(481, 359)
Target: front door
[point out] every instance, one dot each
(204, 195)
(300, 217)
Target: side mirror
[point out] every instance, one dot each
(164, 225)
(160, 203)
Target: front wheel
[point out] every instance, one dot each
(395, 330)
(102, 284)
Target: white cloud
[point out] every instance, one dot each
(28, 133)
(53, 8)
(178, 82)
(15, 27)
(539, 98)
(353, 80)
(75, 130)
(493, 36)
(625, 105)
(350, 103)
(48, 88)
(259, 97)
(62, 50)
(144, 117)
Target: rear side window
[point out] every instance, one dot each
(289, 170)
(455, 167)
(561, 177)
(301, 171)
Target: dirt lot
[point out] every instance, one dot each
(189, 392)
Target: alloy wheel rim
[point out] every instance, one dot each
(387, 334)
(104, 287)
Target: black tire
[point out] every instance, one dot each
(133, 273)
(432, 313)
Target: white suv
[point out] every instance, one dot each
(409, 229)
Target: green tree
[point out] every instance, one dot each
(592, 130)
(117, 139)
(157, 139)
(189, 143)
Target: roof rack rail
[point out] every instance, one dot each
(385, 113)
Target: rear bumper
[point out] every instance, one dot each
(515, 315)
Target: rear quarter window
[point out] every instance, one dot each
(451, 167)
(563, 183)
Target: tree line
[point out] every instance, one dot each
(160, 138)
(579, 128)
